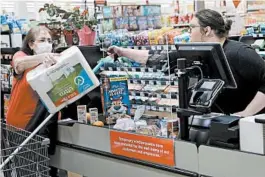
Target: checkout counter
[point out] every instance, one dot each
(88, 150)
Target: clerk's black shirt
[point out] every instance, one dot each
(248, 69)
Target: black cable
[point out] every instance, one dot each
(218, 107)
(191, 122)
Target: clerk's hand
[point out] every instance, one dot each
(48, 59)
(114, 50)
(242, 114)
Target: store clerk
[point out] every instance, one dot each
(246, 65)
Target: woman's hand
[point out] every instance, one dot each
(48, 59)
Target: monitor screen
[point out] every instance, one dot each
(212, 59)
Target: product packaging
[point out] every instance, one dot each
(81, 114)
(93, 115)
(116, 11)
(107, 12)
(129, 11)
(115, 100)
(6, 103)
(133, 23)
(65, 82)
(142, 23)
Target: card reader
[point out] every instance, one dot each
(205, 92)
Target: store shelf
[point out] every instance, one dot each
(153, 47)
(167, 109)
(152, 82)
(157, 95)
(131, 69)
(157, 113)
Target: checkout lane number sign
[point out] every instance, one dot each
(140, 147)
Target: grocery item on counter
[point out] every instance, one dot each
(82, 114)
(125, 124)
(98, 123)
(151, 130)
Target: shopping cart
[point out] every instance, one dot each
(23, 154)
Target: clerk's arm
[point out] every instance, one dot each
(252, 67)
(140, 56)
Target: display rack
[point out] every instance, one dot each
(6, 77)
(150, 76)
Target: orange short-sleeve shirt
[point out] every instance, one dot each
(23, 99)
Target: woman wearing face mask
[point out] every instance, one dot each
(247, 66)
(25, 105)
(36, 49)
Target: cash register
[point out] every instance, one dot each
(197, 123)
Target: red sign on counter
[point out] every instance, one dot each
(152, 149)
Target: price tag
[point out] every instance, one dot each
(167, 82)
(143, 48)
(261, 35)
(175, 82)
(133, 93)
(173, 47)
(133, 69)
(255, 35)
(143, 82)
(153, 108)
(118, 69)
(159, 47)
(168, 109)
(142, 94)
(165, 47)
(151, 82)
(135, 82)
(148, 108)
(150, 69)
(143, 70)
(168, 96)
(110, 68)
(158, 95)
(153, 47)
(134, 106)
(158, 82)
(161, 109)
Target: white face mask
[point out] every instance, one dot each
(43, 47)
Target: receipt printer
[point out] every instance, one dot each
(252, 134)
(224, 132)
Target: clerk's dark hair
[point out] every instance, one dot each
(213, 19)
(31, 37)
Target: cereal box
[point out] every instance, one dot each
(115, 101)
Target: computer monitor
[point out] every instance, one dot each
(213, 60)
